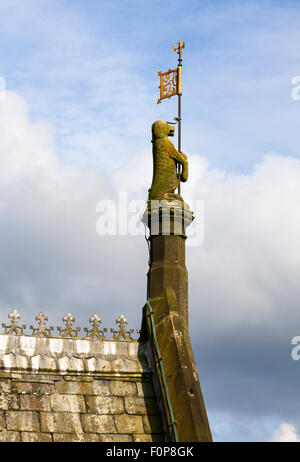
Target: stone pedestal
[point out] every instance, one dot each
(167, 222)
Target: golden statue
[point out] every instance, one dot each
(165, 159)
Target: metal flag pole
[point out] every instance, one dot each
(179, 51)
(170, 85)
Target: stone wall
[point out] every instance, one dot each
(71, 389)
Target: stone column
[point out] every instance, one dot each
(167, 222)
(168, 296)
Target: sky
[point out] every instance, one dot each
(80, 96)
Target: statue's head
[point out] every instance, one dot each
(161, 129)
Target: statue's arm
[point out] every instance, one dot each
(178, 156)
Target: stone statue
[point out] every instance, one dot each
(165, 159)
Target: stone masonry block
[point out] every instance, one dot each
(105, 404)
(75, 437)
(140, 406)
(31, 387)
(60, 422)
(129, 423)
(9, 401)
(3, 401)
(92, 423)
(67, 403)
(98, 387)
(31, 437)
(9, 437)
(2, 421)
(35, 402)
(142, 438)
(5, 386)
(122, 388)
(134, 405)
(22, 421)
(115, 438)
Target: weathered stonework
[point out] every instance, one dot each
(165, 322)
(77, 390)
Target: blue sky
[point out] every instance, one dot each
(75, 127)
(91, 70)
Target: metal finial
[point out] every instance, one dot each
(179, 49)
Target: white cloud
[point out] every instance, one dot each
(285, 433)
(252, 228)
(51, 255)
